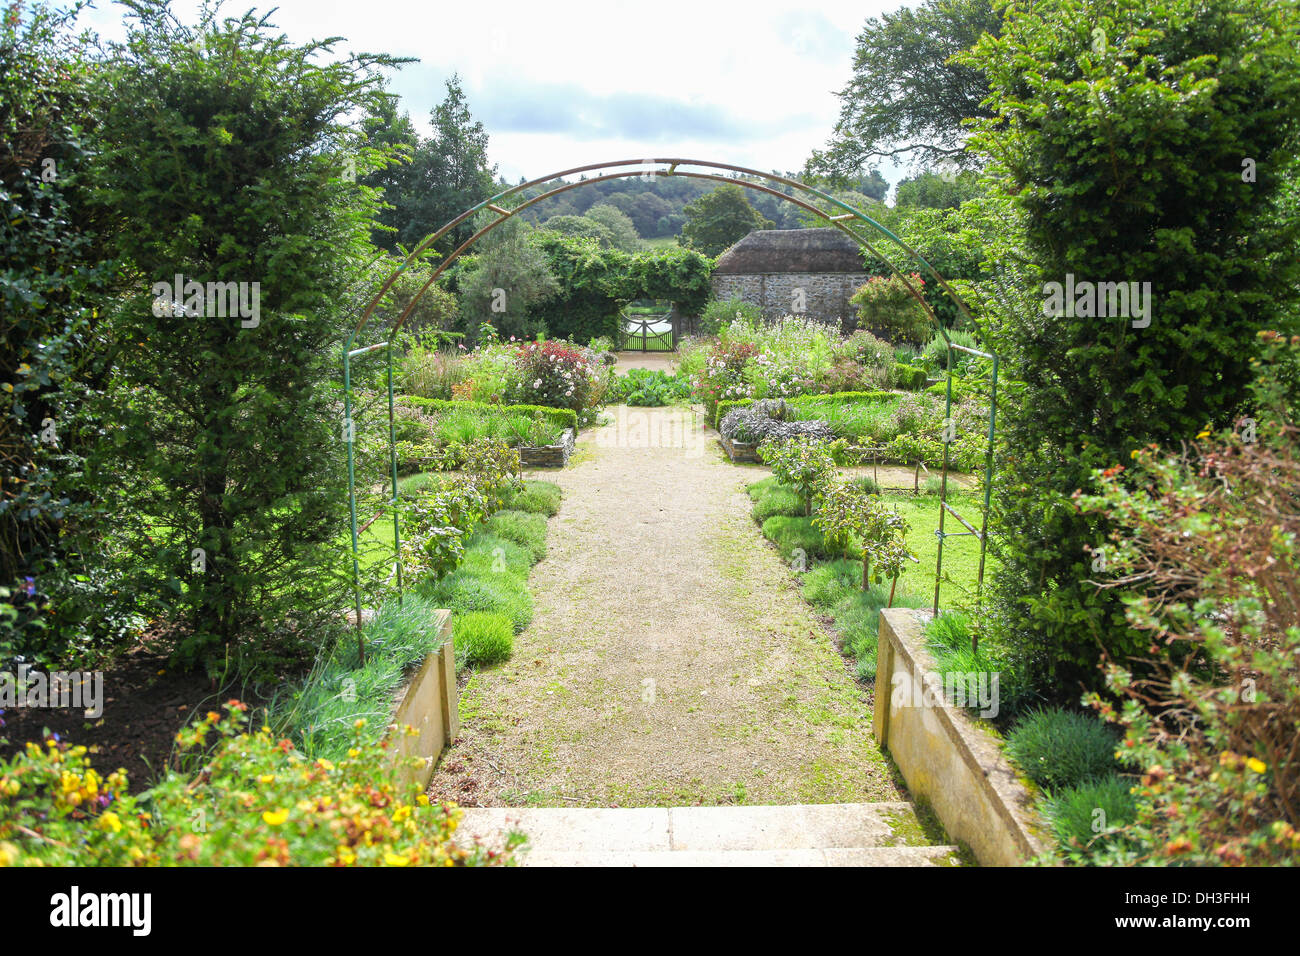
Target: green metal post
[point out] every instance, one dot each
(988, 491)
(349, 436)
(392, 454)
(943, 488)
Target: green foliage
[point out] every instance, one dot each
(260, 803)
(1190, 90)
(718, 219)
(507, 277)
(909, 377)
(796, 537)
(536, 497)
(905, 95)
(482, 639)
(719, 313)
(649, 388)
(886, 305)
(856, 518)
(466, 590)
(319, 714)
(524, 529)
(58, 585)
(206, 179)
(828, 584)
(1212, 534)
(772, 498)
(622, 233)
(1092, 814)
(944, 189)
(800, 463)
(594, 282)
(440, 178)
(1059, 748)
(561, 418)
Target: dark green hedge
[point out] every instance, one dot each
(561, 417)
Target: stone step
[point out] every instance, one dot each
(835, 834)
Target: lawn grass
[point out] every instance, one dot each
(536, 497)
(833, 584)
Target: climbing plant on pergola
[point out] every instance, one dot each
(848, 220)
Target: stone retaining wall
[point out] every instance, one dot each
(946, 758)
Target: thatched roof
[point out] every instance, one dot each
(791, 250)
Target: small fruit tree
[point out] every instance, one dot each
(802, 463)
(856, 519)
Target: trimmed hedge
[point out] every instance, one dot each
(833, 398)
(909, 377)
(560, 417)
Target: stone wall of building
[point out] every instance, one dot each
(825, 294)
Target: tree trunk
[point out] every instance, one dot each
(891, 590)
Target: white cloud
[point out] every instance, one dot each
(558, 85)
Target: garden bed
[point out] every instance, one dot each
(549, 456)
(739, 451)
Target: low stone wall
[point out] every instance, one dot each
(739, 451)
(550, 456)
(428, 705)
(824, 295)
(945, 757)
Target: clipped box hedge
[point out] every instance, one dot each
(560, 417)
(833, 398)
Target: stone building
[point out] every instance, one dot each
(780, 270)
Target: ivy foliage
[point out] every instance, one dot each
(594, 283)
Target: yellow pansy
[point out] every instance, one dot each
(275, 817)
(394, 859)
(110, 821)
(1257, 765)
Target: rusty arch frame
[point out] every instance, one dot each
(849, 221)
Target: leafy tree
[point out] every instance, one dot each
(908, 96)
(937, 190)
(510, 276)
(54, 271)
(402, 182)
(718, 219)
(223, 147)
(622, 233)
(447, 173)
(1118, 152)
(459, 148)
(581, 227)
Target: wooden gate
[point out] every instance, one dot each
(646, 331)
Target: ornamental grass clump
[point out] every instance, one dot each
(1059, 748)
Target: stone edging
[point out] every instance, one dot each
(946, 758)
(549, 456)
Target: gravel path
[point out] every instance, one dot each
(671, 661)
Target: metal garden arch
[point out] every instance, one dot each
(849, 221)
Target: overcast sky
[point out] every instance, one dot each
(567, 83)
